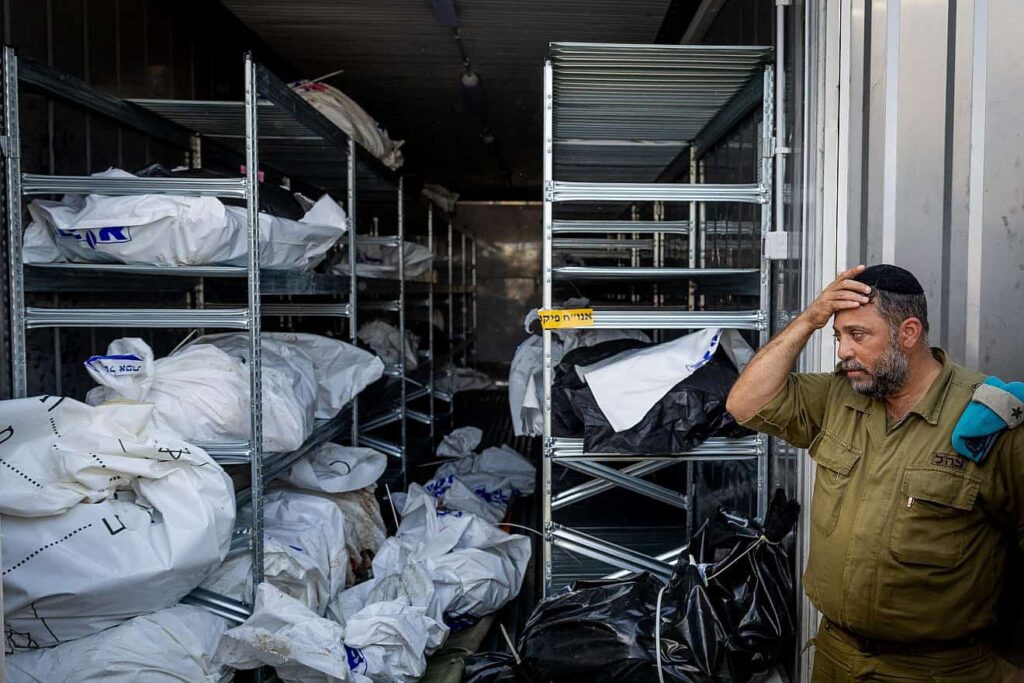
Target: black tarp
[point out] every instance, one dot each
(685, 417)
(725, 615)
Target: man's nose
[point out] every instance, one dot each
(845, 352)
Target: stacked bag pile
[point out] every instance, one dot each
(447, 566)
(111, 512)
(201, 391)
(322, 527)
(106, 517)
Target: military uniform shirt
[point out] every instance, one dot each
(908, 539)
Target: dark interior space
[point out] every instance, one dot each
(463, 85)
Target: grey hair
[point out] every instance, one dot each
(895, 308)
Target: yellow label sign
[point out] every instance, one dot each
(567, 318)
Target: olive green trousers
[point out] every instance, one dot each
(838, 660)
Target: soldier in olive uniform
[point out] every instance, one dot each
(909, 539)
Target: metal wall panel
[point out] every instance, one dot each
(934, 149)
(508, 274)
(1002, 258)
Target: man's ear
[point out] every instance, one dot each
(910, 333)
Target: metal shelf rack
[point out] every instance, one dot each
(457, 279)
(655, 110)
(387, 189)
(432, 293)
(421, 295)
(271, 128)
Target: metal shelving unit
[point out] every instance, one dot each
(429, 294)
(655, 110)
(421, 295)
(457, 279)
(271, 128)
(388, 299)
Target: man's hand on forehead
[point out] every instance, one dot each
(843, 294)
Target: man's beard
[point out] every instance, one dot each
(888, 376)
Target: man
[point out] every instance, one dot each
(908, 539)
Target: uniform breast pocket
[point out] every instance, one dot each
(934, 517)
(836, 464)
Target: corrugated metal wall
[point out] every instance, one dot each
(132, 48)
(508, 274)
(936, 143)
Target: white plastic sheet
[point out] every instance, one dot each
(460, 442)
(201, 391)
(387, 342)
(345, 476)
(338, 469)
(464, 379)
(506, 467)
(481, 484)
(526, 375)
(283, 633)
(387, 642)
(381, 260)
(170, 230)
(305, 554)
(474, 497)
(347, 115)
(173, 644)
(526, 385)
(442, 567)
(736, 348)
(294, 572)
(411, 586)
(463, 590)
(103, 518)
(384, 642)
(340, 370)
(627, 385)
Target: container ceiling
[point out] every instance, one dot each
(405, 68)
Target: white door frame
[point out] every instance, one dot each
(826, 159)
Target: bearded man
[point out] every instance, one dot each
(909, 539)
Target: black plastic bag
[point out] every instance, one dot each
(566, 415)
(692, 411)
(596, 631)
(725, 616)
(737, 597)
(493, 667)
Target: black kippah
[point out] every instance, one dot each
(890, 279)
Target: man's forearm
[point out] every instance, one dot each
(766, 374)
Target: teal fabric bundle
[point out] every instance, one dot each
(995, 407)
